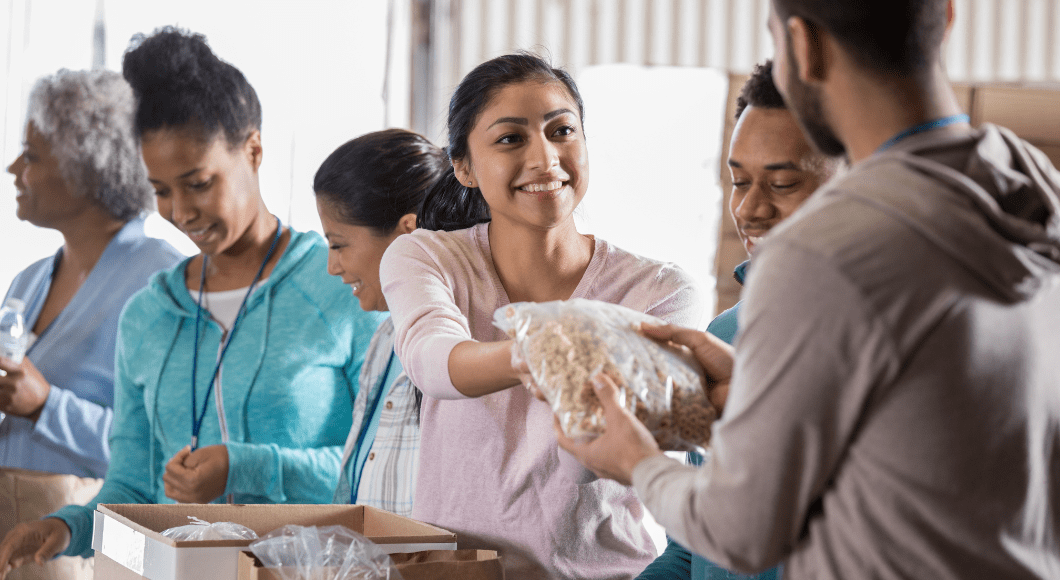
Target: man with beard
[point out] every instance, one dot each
(879, 420)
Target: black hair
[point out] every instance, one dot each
(894, 37)
(180, 82)
(378, 177)
(759, 90)
(451, 205)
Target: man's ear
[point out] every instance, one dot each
(252, 147)
(407, 224)
(809, 50)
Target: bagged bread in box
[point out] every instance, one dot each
(566, 343)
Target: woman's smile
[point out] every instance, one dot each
(544, 191)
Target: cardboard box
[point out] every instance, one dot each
(446, 564)
(427, 565)
(129, 543)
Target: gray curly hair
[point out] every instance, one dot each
(87, 117)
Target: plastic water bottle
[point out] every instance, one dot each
(13, 332)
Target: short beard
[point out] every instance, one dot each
(805, 105)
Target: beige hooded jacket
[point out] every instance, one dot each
(892, 414)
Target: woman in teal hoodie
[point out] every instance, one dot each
(235, 371)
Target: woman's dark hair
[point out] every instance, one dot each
(451, 205)
(180, 82)
(378, 177)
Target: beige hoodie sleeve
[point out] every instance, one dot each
(801, 384)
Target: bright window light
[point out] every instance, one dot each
(654, 138)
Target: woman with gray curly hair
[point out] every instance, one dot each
(80, 173)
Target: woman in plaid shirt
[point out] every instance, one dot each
(368, 193)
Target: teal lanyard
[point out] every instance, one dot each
(196, 417)
(374, 405)
(928, 126)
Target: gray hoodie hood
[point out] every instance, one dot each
(1001, 216)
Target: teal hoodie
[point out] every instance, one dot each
(289, 377)
(725, 325)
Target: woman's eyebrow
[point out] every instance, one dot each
(516, 120)
(524, 121)
(189, 173)
(181, 176)
(557, 113)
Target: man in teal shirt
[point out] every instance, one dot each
(774, 169)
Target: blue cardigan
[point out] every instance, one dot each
(75, 353)
(289, 379)
(676, 562)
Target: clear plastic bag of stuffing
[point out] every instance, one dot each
(566, 343)
(323, 553)
(199, 530)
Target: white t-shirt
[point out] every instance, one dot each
(224, 306)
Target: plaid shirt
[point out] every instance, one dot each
(387, 479)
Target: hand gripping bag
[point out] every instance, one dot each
(566, 343)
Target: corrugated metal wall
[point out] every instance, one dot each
(992, 40)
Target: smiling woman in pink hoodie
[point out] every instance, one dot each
(490, 469)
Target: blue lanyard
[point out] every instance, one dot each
(367, 422)
(196, 417)
(928, 126)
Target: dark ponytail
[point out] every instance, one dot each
(451, 205)
(179, 82)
